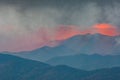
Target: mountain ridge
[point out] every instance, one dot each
(88, 44)
(87, 62)
(15, 68)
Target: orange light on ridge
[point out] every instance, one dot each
(106, 29)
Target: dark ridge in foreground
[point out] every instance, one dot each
(15, 68)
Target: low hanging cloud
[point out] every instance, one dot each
(27, 26)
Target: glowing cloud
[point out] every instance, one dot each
(64, 32)
(106, 29)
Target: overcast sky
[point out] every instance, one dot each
(26, 24)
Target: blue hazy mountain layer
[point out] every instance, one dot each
(15, 68)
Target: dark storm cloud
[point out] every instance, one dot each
(69, 7)
(84, 13)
